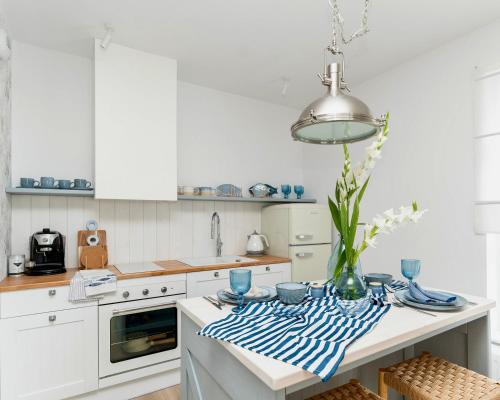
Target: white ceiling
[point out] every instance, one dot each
(247, 46)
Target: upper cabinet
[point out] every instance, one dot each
(135, 124)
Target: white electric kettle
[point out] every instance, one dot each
(257, 243)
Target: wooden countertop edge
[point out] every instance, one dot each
(170, 267)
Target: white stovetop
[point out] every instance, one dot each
(399, 326)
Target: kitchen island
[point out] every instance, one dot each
(212, 369)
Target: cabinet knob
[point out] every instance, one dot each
(145, 292)
(52, 292)
(52, 318)
(216, 274)
(268, 268)
(164, 289)
(125, 294)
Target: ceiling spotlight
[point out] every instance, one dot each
(286, 85)
(107, 38)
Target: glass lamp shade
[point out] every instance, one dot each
(336, 117)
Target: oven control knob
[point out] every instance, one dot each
(164, 289)
(125, 294)
(145, 292)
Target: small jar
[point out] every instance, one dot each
(377, 290)
(317, 290)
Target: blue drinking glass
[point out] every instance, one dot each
(410, 268)
(286, 190)
(240, 281)
(299, 190)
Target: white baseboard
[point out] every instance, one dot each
(135, 388)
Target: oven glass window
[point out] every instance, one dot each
(143, 333)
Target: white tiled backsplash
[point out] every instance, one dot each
(136, 230)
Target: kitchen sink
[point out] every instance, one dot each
(201, 261)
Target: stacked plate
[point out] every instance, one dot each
(264, 293)
(405, 297)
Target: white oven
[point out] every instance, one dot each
(139, 325)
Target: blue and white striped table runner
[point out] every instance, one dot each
(315, 340)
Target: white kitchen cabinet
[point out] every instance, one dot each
(135, 124)
(49, 356)
(270, 275)
(206, 283)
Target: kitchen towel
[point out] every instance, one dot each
(87, 286)
(316, 340)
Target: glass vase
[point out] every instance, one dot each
(333, 260)
(351, 290)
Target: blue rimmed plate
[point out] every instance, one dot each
(404, 297)
(222, 295)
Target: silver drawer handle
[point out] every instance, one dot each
(268, 268)
(304, 254)
(303, 236)
(52, 318)
(52, 292)
(216, 274)
(143, 309)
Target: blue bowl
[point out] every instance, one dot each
(291, 292)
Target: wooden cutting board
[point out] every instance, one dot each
(92, 257)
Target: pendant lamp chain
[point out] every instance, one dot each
(338, 21)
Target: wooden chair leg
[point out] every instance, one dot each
(383, 390)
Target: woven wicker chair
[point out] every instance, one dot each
(431, 378)
(350, 391)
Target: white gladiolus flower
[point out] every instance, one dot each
(371, 241)
(368, 229)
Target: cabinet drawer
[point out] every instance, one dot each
(206, 283)
(34, 301)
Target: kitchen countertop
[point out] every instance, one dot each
(170, 267)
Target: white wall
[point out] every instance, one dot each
(51, 114)
(222, 138)
(429, 157)
(136, 230)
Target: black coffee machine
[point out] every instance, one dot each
(47, 253)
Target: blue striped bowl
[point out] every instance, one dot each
(291, 292)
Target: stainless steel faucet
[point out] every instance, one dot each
(216, 223)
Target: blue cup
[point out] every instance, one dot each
(64, 184)
(299, 191)
(29, 183)
(317, 290)
(47, 182)
(82, 184)
(378, 290)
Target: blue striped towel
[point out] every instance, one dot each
(315, 339)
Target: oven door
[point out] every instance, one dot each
(137, 334)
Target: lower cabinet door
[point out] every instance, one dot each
(206, 283)
(49, 356)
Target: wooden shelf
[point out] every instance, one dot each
(51, 192)
(245, 199)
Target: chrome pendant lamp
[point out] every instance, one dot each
(337, 117)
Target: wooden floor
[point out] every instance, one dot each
(171, 393)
